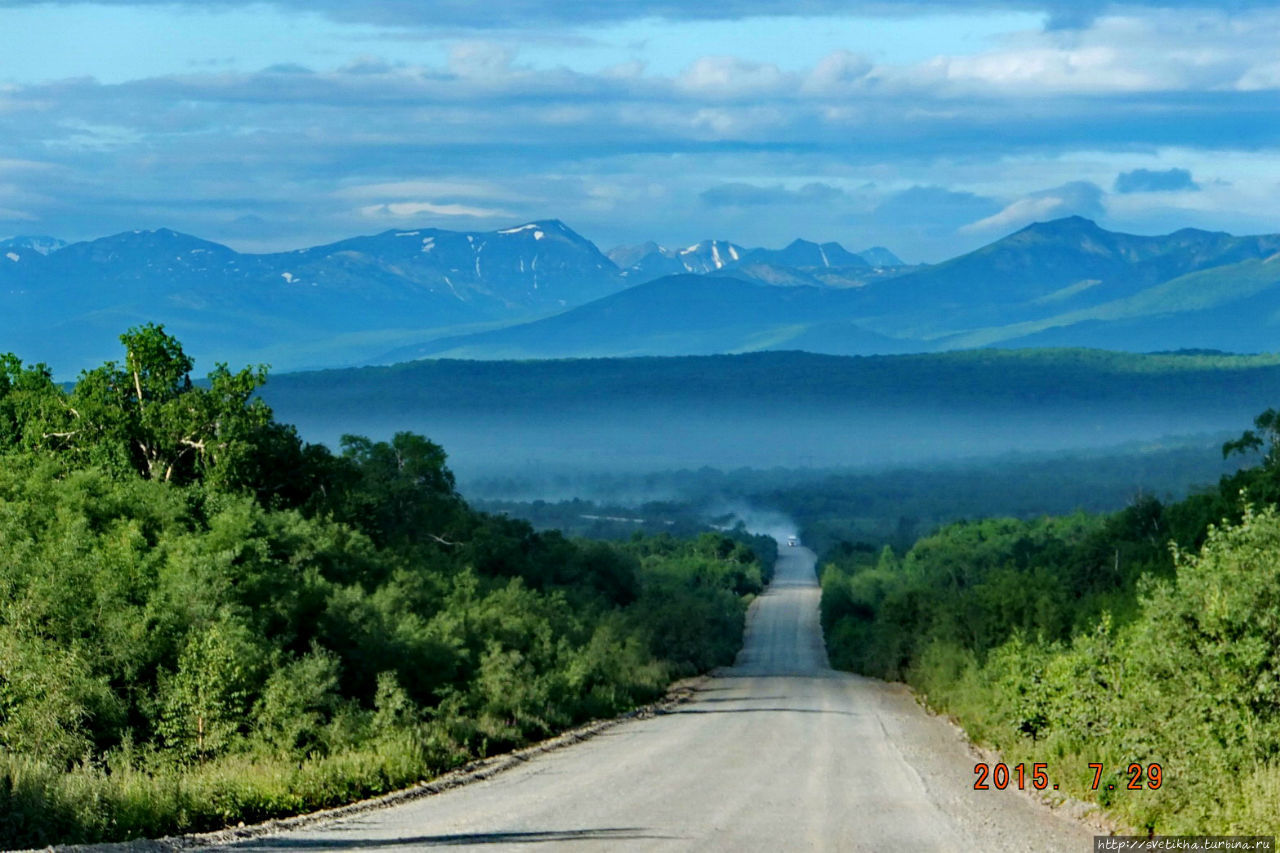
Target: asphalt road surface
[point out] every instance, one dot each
(778, 752)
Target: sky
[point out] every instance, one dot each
(930, 128)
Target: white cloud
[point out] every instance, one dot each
(480, 59)
(1078, 198)
(1198, 49)
(1021, 212)
(1260, 77)
(632, 70)
(10, 165)
(838, 72)
(425, 187)
(479, 133)
(405, 209)
(732, 77)
(1094, 68)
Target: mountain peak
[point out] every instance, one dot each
(1065, 225)
(540, 225)
(627, 256)
(40, 244)
(160, 239)
(879, 256)
(804, 254)
(1200, 233)
(540, 229)
(142, 235)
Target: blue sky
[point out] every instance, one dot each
(930, 128)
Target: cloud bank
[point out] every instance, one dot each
(929, 156)
(1148, 181)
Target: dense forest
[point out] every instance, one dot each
(1145, 636)
(584, 417)
(205, 620)
(982, 377)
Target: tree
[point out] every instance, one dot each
(34, 413)
(1267, 425)
(147, 413)
(204, 703)
(405, 492)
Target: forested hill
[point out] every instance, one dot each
(1009, 377)
(785, 408)
(205, 620)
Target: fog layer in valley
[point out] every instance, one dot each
(617, 440)
(601, 429)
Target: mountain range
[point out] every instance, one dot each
(1063, 283)
(340, 303)
(331, 304)
(649, 260)
(540, 290)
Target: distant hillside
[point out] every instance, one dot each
(780, 408)
(989, 377)
(1049, 271)
(1233, 307)
(684, 314)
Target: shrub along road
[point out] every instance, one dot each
(779, 752)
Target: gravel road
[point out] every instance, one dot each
(779, 752)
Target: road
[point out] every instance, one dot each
(779, 752)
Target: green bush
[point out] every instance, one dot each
(205, 621)
(1148, 636)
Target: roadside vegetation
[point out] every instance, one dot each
(1149, 635)
(205, 620)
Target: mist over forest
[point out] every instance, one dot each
(544, 421)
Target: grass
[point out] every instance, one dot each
(42, 805)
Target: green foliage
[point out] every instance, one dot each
(204, 702)
(148, 415)
(203, 620)
(1150, 635)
